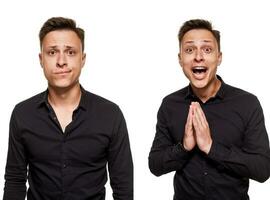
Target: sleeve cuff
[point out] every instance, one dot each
(219, 151)
(180, 152)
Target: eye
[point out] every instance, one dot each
(207, 50)
(71, 52)
(52, 52)
(189, 50)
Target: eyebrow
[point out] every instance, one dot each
(52, 47)
(55, 47)
(191, 41)
(69, 47)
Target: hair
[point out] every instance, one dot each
(60, 23)
(198, 24)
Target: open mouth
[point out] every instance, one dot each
(199, 69)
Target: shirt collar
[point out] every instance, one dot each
(220, 94)
(83, 101)
(82, 104)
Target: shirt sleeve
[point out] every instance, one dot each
(252, 159)
(120, 163)
(165, 155)
(16, 167)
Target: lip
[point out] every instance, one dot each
(199, 75)
(199, 67)
(62, 72)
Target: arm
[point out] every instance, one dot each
(120, 163)
(165, 155)
(16, 167)
(252, 160)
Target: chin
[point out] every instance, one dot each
(199, 84)
(61, 85)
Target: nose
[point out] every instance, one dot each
(199, 56)
(61, 60)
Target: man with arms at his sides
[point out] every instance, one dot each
(62, 139)
(212, 134)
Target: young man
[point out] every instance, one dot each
(62, 139)
(212, 134)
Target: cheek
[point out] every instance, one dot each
(74, 62)
(213, 60)
(46, 73)
(47, 67)
(46, 70)
(186, 62)
(49, 62)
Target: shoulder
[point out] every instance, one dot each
(102, 111)
(100, 104)
(174, 102)
(240, 96)
(177, 96)
(243, 102)
(26, 109)
(31, 103)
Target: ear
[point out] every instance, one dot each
(180, 59)
(219, 58)
(40, 59)
(83, 59)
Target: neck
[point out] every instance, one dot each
(208, 91)
(64, 97)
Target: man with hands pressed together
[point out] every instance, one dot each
(197, 130)
(212, 134)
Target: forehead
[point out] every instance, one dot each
(198, 35)
(61, 38)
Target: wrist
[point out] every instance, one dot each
(208, 147)
(182, 147)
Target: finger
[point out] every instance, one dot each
(201, 112)
(196, 114)
(189, 118)
(196, 119)
(201, 115)
(190, 113)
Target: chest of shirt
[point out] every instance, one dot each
(226, 124)
(86, 139)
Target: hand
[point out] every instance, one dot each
(189, 141)
(201, 128)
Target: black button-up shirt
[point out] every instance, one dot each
(69, 165)
(240, 148)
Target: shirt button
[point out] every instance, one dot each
(205, 173)
(64, 165)
(55, 118)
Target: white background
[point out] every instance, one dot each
(132, 48)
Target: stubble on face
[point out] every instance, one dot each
(199, 57)
(62, 58)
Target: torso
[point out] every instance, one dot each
(64, 116)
